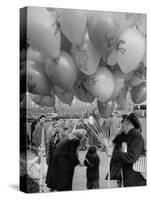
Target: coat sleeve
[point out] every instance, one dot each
(94, 164)
(86, 163)
(73, 151)
(133, 152)
(49, 153)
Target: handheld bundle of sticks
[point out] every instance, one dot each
(94, 127)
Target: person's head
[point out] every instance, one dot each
(42, 119)
(55, 126)
(129, 122)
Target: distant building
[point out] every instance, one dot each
(140, 109)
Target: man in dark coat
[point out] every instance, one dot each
(54, 139)
(64, 159)
(37, 136)
(116, 167)
(132, 146)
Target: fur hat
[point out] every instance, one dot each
(134, 120)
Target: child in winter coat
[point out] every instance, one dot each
(92, 162)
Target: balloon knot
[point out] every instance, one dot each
(55, 60)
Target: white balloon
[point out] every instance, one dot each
(89, 13)
(130, 50)
(42, 31)
(33, 54)
(64, 96)
(91, 120)
(125, 20)
(48, 100)
(101, 84)
(119, 80)
(73, 25)
(86, 56)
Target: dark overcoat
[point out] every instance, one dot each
(92, 164)
(135, 147)
(61, 168)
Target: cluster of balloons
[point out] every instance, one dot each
(87, 54)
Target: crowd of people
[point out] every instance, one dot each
(63, 143)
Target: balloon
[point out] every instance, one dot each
(56, 10)
(112, 59)
(119, 80)
(37, 80)
(64, 96)
(127, 77)
(138, 93)
(86, 56)
(138, 76)
(35, 55)
(43, 32)
(65, 43)
(89, 13)
(130, 50)
(82, 93)
(121, 99)
(125, 20)
(26, 101)
(48, 100)
(62, 72)
(73, 25)
(103, 32)
(141, 23)
(105, 108)
(101, 84)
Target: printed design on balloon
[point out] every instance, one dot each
(110, 39)
(81, 58)
(30, 83)
(119, 48)
(56, 26)
(90, 80)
